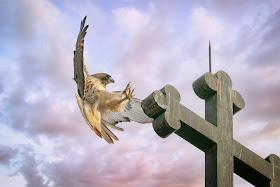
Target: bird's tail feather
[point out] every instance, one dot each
(107, 134)
(105, 129)
(112, 126)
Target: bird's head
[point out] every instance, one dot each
(104, 78)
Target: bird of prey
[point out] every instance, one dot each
(100, 108)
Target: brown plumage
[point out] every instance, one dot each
(99, 107)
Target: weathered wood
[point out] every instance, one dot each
(250, 166)
(214, 134)
(218, 111)
(275, 178)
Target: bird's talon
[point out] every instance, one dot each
(128, 92)
(127, 88)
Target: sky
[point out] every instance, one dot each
(44, 138)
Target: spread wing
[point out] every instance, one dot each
(79, 76)
(132, 111)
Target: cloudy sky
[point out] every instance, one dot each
(46, 142)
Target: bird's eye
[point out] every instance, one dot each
(108, 76)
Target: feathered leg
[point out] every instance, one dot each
(117, 104)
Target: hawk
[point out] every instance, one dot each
(100, 108)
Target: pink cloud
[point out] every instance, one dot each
(39, 98)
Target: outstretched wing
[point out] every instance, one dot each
(79, 76)
(132, 111)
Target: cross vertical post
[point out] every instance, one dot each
(219, 111)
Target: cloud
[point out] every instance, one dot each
(134, 167)
(40, 100)
(6, 154)
(149, 35)
(30, 171)
(269, 131)
(205, 25)
(132, 20)
(149, 47)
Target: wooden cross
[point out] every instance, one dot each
(214, 134)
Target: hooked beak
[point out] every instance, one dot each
(112, 80)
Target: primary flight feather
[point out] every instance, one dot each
(100, 108)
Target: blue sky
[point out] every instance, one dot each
(45, 140)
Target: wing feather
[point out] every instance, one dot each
(79, 76)
(132, 111)
(107, 131)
